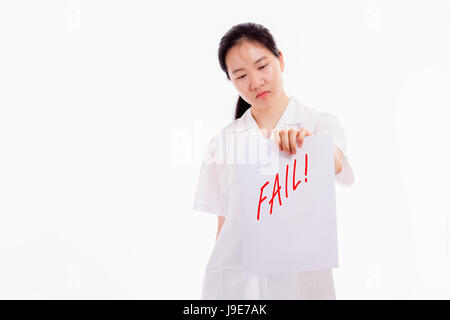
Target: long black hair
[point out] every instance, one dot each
(252, 32)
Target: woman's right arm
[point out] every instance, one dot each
(221, 221)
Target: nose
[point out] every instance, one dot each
(256, 81)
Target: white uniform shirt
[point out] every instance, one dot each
(224, 277)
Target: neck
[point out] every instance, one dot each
(268, 117)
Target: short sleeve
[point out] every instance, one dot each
(329, 124)
(208, 194)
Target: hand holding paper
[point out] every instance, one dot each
(288, 140)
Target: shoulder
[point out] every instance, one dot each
(216, 144)
(326, 122)
(316, 113)
(231, 128)
(317, 119)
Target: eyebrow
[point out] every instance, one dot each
(234, 71)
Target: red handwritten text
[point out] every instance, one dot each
(276, 186)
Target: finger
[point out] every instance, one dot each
(301, 137)
(284, 140)
(276, 135)
(292, 135)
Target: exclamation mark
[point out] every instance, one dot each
(306, 167)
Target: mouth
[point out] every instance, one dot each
(262, 94)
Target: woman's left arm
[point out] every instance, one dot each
(337, 160)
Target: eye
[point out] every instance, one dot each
(258, 68)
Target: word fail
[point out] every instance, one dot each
(276, 186)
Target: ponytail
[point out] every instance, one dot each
(241, 107)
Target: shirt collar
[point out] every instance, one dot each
(294, 114)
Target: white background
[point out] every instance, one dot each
(105, 108)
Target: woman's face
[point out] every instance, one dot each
(254, 69)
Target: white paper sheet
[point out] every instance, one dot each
(301, 234)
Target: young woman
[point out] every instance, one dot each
(250, 59)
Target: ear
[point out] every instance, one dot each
(281, 59)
